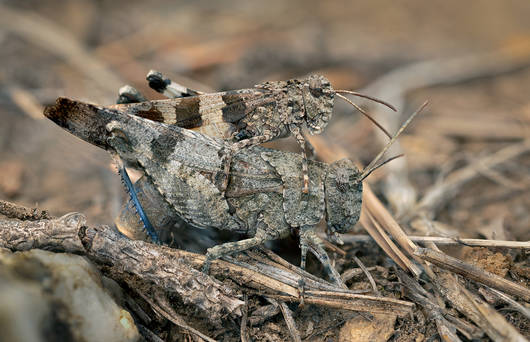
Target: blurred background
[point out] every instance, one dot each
(470, 60)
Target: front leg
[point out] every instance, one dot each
(229, 152)
(311, 152)
(310, 241)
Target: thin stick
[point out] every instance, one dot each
(473, 272)
(148, 334)
(334, 248)
(506, 331)
(244, 320)
(366, 114)
(291, 325)
(13, 210)
(349, 238)
(373, 227)
(168, 313)
(455, 293)
(515, 305)
(368, 275)
(375, 99)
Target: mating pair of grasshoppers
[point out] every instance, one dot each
(264, 193)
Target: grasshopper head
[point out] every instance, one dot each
(343, 196)
(317, 96)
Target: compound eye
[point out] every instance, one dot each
(316, 92)
(314, 84)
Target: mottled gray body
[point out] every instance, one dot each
(264, 198)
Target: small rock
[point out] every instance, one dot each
(359, 329)
(60, 295)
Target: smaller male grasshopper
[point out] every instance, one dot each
(249, 117)
(264, 198)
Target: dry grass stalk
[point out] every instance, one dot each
(383, 240)
(446, 329)
(349, 238)
(163, 308)
(473, 272)
(289, 320)
(459, 297)
(368, 275)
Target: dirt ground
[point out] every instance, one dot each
(475, 75)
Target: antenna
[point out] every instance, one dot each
(379, 165)
(365, 114)
(372, 166)
(375, 99)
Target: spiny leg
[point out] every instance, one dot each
(297, 133)
(129, 187)
(228, 154)
(311, 152)
(310, 241)
(229, 248)
(129, 94)
(167, 87)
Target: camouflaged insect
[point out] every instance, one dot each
(247, 117)
(264, 198)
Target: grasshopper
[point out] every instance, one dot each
(248, 117)
(264, 198)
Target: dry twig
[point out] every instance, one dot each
(169, 269)
(473, 272)
(447, 284)
(58, 235)
(12, 210)
(446, 329)
(350, 238)
(515, 305)
(368, 275)
(289, 320)
(244, 321)
(165, 310)
(133, 261)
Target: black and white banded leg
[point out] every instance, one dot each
(167, 87)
